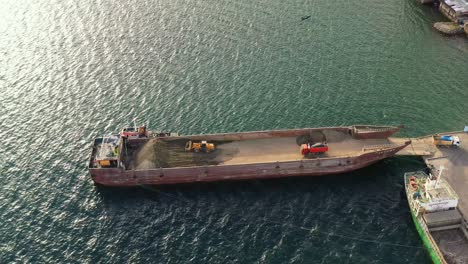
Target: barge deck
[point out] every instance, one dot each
(170, 153)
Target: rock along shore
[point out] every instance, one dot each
(449, 28)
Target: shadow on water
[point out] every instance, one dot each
(359, 213)
(381, 173)
(381, 176)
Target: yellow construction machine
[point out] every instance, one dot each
(202, 146)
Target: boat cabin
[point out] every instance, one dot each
(431, 194)
(134, 132)
(107, 153)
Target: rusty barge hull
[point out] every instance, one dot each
(270, 168)
(318, 167)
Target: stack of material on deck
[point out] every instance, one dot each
(172, 154)
(159, 154)
(453, 245)
(443, 220)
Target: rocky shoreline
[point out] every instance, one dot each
(450, 28)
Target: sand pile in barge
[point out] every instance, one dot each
(163, 153)
(171, 154)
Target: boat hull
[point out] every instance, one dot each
(306, 167)
(423, 231)
(425, 237)
(370, 132)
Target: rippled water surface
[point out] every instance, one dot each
(72, 70)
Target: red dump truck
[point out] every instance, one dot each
(317, 148)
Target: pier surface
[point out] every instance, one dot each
(453, 159)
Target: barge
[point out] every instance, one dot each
(136, 156)
(434, 208)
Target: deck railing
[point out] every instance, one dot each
(378, 147)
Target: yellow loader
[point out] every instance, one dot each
(202, 146)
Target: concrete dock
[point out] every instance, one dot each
(454, 160)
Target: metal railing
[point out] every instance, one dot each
(377, 147)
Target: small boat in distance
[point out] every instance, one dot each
(433, 206)
(136, 156)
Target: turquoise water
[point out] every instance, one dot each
(70, 71)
